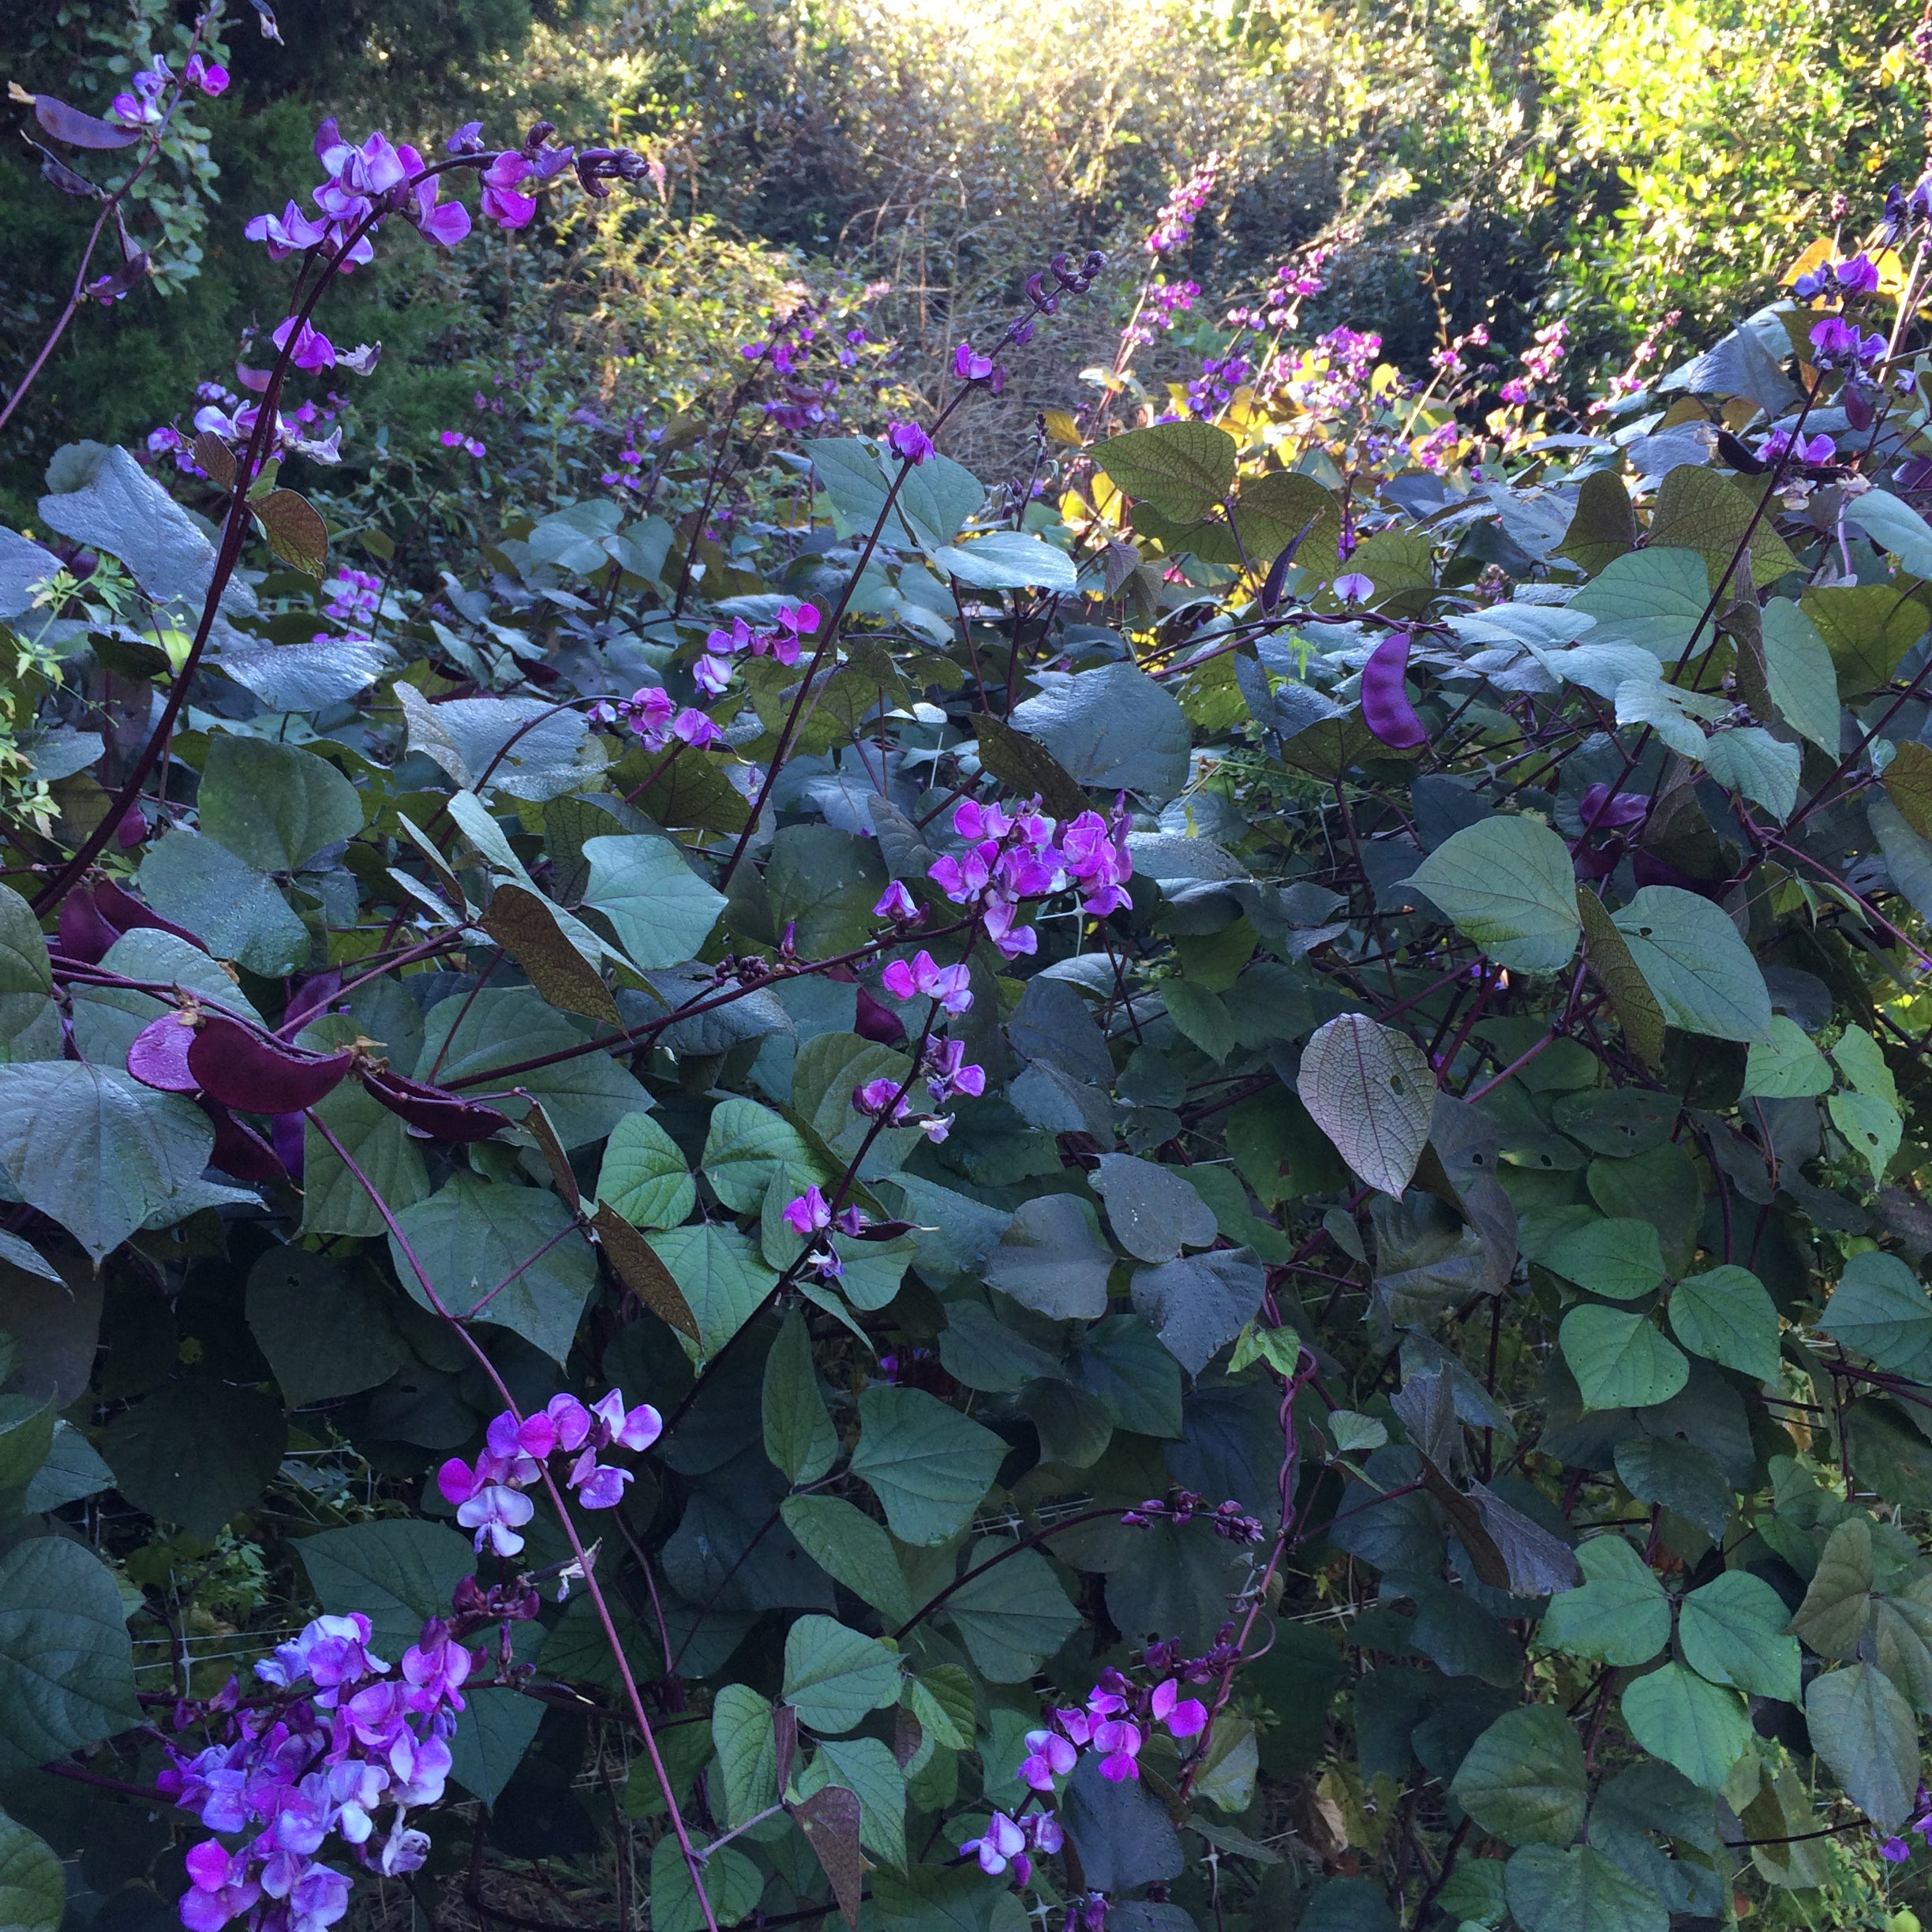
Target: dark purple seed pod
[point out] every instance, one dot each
(1857, 406)
(82, 934)
(877, 1022)
(1278, 571)
(241, 1067)
(1385, 704)
(157, 1056)
(312, 996)
(239, 1150)
(433, 1111)
(287, 1132)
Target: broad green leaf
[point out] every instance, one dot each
(1049, 1260)
(1867, 628)
(24, 967)
(1579, 1890)
(1653, 597)
(943, 1702)
(747, 1752)
(1371, 1090)
(1153, 1213)
(1678, 1474)
(1702, 1729)
(33, 1889)
(851, 1549)
(1694, 961)
(929, 1466)
(1509, 886)
(937, 498)
(732, 1883)
(1864, 1730)
(1615, 1256)
(1013, 1615)
(1006, 560)
(745, 1145)
(1787, 1066)
(71, 1470)
(798, 1436)
(660, 909)
(1733, 1631)
(1872, 1129)
(1748, 760)
(1833, 1617)
(1895, 526)
(1202, 1017)
(1183, 469)
(1123, 1363)
(1902, 1639)
(1727, 1316)
(95, 1150)
(66, 1665)
(1112, 728)
(500, 1254)
(274, 806)
(1619, 1360)
(398, 1573)
(1523, 1781)
(1880, 1309)
(236, 912)
(865, 1766)
(644, 1176)
(1199, 1302)
(1620, 1614)
(1799, 674)
(195, 1451)
(833, 1676)
(722, 1279)
(823, 883)
(491, 1736)
(324, 1325)
(1713, 515)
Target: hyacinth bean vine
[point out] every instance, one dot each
(1185, 1194)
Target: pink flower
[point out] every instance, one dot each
(910, 441)
(1049, 1756)
(946, 984)
(968, 366)
(896, 904)
(443, 223)
(694, 729)
(603, 1488)
(497, 1513)
(501, 202)
(809, 1213)
(222, 1889)
(631, 1429)
(1119, 1739)
(1011, 941)
(712, 674)
(1352, 587)
(572, 1420)
(879, 1097)
(1003, 1842)
(313, 350)
(210, 77)
(1183, 1717)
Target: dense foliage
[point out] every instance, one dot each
(744, 1182)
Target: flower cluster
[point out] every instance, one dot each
(655, 717)
(942, 1063)
(1010, 1843)
(783, 641)
(1230, 1521)
(1214, 388)
(1812, 449)
(141, 105)
(1857, 276)
(351, 597)
(341, 1743)
(1540, 363)
(489, 1496)
(1174, 225)
(1166, 301)
(1116, 1723)
(1331, 377)
(1840, 345)
(1448, 361)
(456, 439)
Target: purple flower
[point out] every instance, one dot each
(496, 1512)
(443, 223)
(909, 440)
(809, 1213)
(1352, 587)
(312, 350)
(1182, 1717)
(1894, 1850)
(1815, 449)
(946, 984)
(211, 78)
(468, 139)
(502, 203)
(896, 904)
(1049, 1756)
(603, 1487)
(969, 365)
(1002, 1842)
(1119, 1740)
(1515, 391)
(1838, 341)
(289, 233)
(1858, 276)
(879, 1097)
(631, 1429)
(437, 1669)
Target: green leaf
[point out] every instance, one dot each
(851, 1549)
(644, 1176)
(1112, 728)
(33, 1889)
(1183, 469)
(722, 1276)
(27, 1426)
(398, 1573)
(1619, 1614)
(1787, 1067)
(1509, 886)
(1006, 560)
(1199, 1302)
(237, 912)
(1800, 675)
(1867, 628)
(491, 1736)
(936, 499)
(66, 1664)
(1653, 598)
(866, 1767)
(196, 1451)
(1832, 1618)
(325, 1326)
(1153, 1213)
(1748, 760)
(1881, 1309)
(1727, 1316)
(73, 1470)
(1694, 961)
(505, 1254)
(1122, 1362)
(1619, 1360)
(1678, 1474)
(1579, 1890)
(1048, 1260)
(1872, 1129)
(929, 1466)
(1702, 511)
(1700, 1728)
(1895, 526)
(23, 966)
(798, 1436)
(1615, 1256)
(732, 1883)
(833, 1676)
(1201, 1016)
(1371, 1090)
(95, 1150)
(745, 1145)
(661, 910)
(1864, 1730)
(1014, 1615)
(828, 1066)
(747, 1751)
(1524, 1780)
(1733, 1631)
(274, 806)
